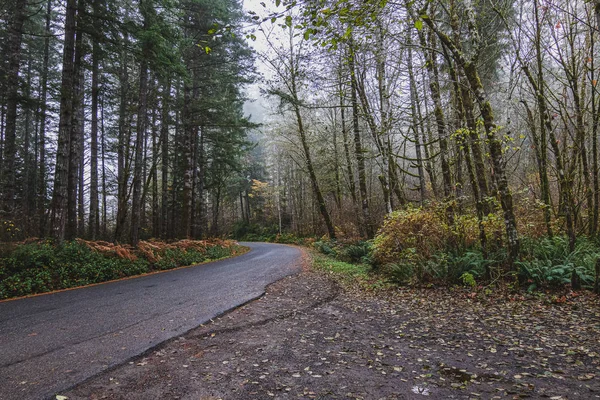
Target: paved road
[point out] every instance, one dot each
(52, 342)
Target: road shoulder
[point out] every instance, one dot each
(310, 338)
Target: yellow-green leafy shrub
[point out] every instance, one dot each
(412, 232)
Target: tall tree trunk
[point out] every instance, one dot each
(358, 149)
(336, 171)
(309, 165)
(415, 120)
(154, 173)
(349, 171)
(136, 203)
(188, 132)
(595, 123)
(597, 12)
(42, 189)
(567, 205)
(28, 192)
(104, 228)
(164, 134)
(200, 173)
(543, 114)
(440, 119)
(11, 85)
(76, 131)
(124, 146)
(463, 143)
(384, 115)
(495, 146)
(94, 218)
(196, 214)
(59, 209)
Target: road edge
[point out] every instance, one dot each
(244, 250)
(304, 263)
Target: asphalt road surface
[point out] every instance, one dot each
(49, 343)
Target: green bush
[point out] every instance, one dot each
(359, 252)
(400, 273)
(42, 267)
(30, 256)
(173, 258)
(548, 262)
(325, 247)
(217, 252)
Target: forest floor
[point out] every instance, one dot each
(314, 337)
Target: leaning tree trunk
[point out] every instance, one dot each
(495, 146)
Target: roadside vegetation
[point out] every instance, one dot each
(42, 266)
(417, 247)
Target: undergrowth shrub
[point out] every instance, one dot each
(409, 233)
(417, 244)
(548, 262)
(42, 266)
(326, 247)
(348, 250)
(359, 252)
(270, 234)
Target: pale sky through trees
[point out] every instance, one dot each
(258, 104)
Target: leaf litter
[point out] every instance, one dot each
(311, 337)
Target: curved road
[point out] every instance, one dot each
(51, 342)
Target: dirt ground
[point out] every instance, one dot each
(310, 337)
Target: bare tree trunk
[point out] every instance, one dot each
(545, 126)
